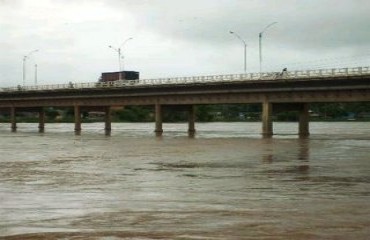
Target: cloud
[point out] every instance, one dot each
(322, 23)
(176, 37)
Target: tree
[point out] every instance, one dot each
(204, 113)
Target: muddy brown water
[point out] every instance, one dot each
(226, 182)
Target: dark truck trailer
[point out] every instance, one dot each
(115, 76)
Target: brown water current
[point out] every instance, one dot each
(226, 182)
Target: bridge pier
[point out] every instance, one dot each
(158, 119)
(267, 127)
(13, 119)
(304, 119)
(108, 119)
(191, 118)
(77, 113)
(41, 120)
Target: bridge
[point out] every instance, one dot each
(290, 90)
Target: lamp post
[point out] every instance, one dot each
(24, 64)
(119, 51)
(35, 74)
(260, 43)
(245, 49)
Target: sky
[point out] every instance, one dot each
(174, 38)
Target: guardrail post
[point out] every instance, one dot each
(13, 119)
(267, 128)
(158, 119)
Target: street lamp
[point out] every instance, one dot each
(260, 43)
(119, 51)
(24, 64)
(35, 74)
(245, 49)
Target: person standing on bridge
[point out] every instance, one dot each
(284, 72)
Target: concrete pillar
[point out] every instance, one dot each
(41, 120)
(191, 117)
(267, 129)
(108, 119)
(304, 119)
(77, 113)
(13, 119)
(158, 119)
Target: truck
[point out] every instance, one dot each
(116, 76)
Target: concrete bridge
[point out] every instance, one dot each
(275, 91)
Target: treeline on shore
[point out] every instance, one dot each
(205, 113)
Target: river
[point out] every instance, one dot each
(226, 182)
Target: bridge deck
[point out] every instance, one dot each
(208, 80)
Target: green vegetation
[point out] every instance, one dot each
(206, 113)
(134, 114)
(338, 111)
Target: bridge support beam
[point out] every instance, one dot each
(77, 113)
(267, 128)
(304, 119)
(108, 119)
(191, 114)
(158, 119)
(41, 120)
(13, 119)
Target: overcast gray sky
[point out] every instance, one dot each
(177, 37)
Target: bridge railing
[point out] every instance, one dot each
(284, 75)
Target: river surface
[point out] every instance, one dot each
(226, 182)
